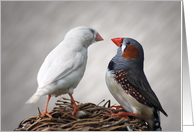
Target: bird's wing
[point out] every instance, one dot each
(142, 86)
(57, 66)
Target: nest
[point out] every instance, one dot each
(89, 118)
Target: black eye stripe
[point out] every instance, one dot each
(92, 31)
(122, 42)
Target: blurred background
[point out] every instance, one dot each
(30, 30)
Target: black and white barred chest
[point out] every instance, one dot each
(120, 77)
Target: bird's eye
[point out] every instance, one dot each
(128, 43)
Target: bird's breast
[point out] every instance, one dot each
(121, 78)
(126, 95)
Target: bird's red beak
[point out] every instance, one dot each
(98, 37)
(117, 41)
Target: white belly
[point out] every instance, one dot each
(67, 84)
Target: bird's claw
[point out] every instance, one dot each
(117, 107)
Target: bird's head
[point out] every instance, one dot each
(85, 35)
(129, 55)
(128, 48)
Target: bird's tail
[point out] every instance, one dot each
(39, 92)
(156, 121)
(33, 99)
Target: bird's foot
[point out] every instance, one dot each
(117, 107)
(121, 114)
(44, 113)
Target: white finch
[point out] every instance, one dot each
(64, 66)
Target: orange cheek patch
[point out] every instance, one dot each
(130, 52)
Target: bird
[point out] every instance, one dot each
(64, 66)
(127, 82)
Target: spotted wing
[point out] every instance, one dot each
(139, 88)
(142, 86)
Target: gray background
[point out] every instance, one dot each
(30, 30)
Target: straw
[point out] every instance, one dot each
(89, 118)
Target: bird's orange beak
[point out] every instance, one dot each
(98, 37)
(117, 41)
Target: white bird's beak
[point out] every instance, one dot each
(98, 37)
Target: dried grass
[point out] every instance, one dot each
(89, 118)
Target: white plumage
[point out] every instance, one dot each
(65, 65)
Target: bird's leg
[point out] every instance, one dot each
(45, 110)
(117, 107)
(125, 114)
(121, 114)
(76, 107)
